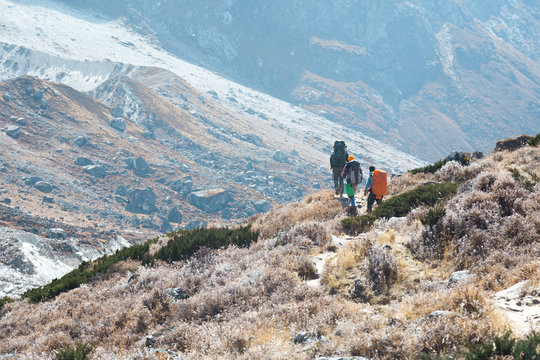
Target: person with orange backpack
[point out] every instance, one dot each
(376, 186)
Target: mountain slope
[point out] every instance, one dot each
(408, 70)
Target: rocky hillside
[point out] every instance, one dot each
(445, 266)
(427, 77)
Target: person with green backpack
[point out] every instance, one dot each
(352, 173)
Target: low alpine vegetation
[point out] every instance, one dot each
(400, 205)
(181, 245)
(535, 140)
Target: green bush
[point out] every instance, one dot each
(535, 140)
(182, 244)
(4, 301)
(402, 204)
(79, 352)
(358, 224)
(434, 215)
(85, 273)
(429, 168)
(185, 243)
(501, 346)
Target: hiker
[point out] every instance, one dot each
(376, 187)
(338, 159)
(352, 173)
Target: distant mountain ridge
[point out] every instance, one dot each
(427, 77)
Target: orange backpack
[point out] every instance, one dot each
(378, 187)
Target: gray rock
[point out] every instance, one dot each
(116, 111)
(82, 161)
(43, 105)
(6, 200)
(139, 166)
(176, 293)
(210, 200)
(174, 215)
(196, 224)
(21, 122)
(7, 97)
(56, 233)
(316, 185)
(121, 190)
(38, 95)
(280, 156)
(81, 141)
(302, 337)
(43, 186)
(150, 341)
(13, 131)
(97, 171)
(435, 315)
(458, 277)
(48, 199)
(118, 124)
(141, 201)
(32, 180)
(262, 206)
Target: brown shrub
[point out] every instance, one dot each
(381, 269)
(306, 234)
(320, 207)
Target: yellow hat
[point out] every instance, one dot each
(350, 158)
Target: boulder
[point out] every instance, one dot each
(118, 124)
(139, 166)
(6, 201)
(81, 141)
(56, 233)
(458, 277)
(7, 97)
(97, 171)
(13, 131)
(280, 156)
(174, 215)
(262, 206)
(210, 200)
(48, 199)
(121, 190)
(141, 201)
(21, 122)
(196, 224)
(38, 95)
(512, 144)
(82, 161)
(116, 111)
(32, 180)
(176, 293)
(43, 186)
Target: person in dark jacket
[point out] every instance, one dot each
(338, 159)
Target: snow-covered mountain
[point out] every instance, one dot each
(426, 76)
(48, 40)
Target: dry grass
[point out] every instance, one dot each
(320, 207)
(251, 303)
